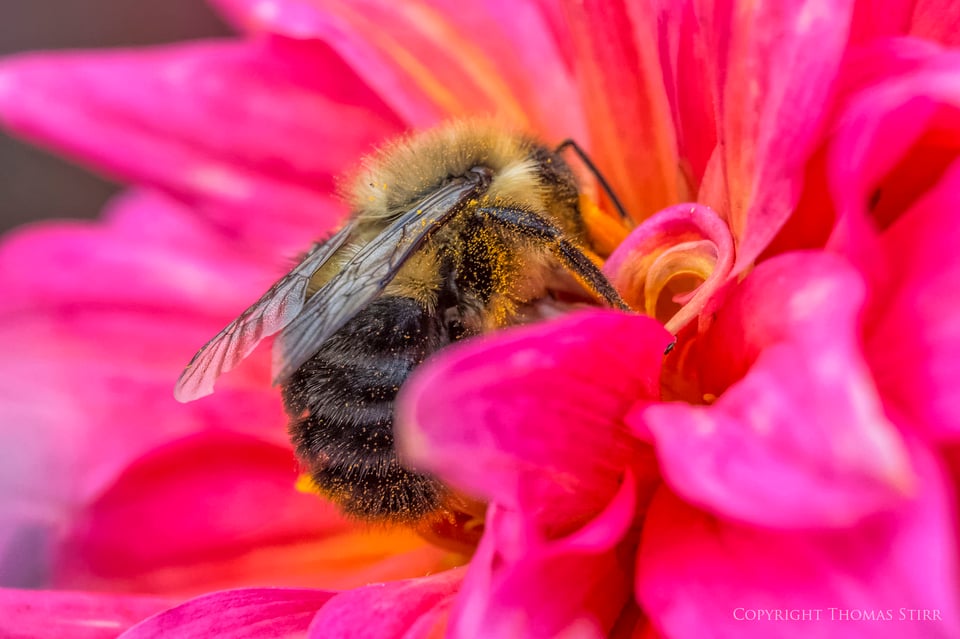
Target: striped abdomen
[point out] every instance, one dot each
(341, 408)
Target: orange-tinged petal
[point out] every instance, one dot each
(446, 65)
(532, 55)
(512, 54)
(301, 19)
(425, 60)
(605, 231)
(632, 135)
(190, 517)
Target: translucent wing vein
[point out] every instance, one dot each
(278, 307)
(365, 276)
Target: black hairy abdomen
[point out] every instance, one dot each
(341, 408)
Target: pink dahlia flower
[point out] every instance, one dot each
(788, 469)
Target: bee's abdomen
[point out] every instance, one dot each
(341, 407)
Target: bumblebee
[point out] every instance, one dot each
(452, 232)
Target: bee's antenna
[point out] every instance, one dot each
(596, 172)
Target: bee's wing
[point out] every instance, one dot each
(278, 307)
(365, 276)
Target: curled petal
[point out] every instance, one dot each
(769, 120)
(46, 614)
(249, 133)
(538, 412)
(410, 609)
(255, 613)
(700, 577)
(795, 412)
(673, 264)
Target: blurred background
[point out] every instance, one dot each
(34, 185)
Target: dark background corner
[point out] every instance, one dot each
(33, 184)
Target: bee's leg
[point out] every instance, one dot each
(531, 225)
(596, 172)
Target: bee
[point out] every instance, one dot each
(452, 232)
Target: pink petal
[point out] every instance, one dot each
(197, 505)
(880, 61)
(413, 92)
(913, 343)
(40, 614)
(150, 253)
(85, 422)
(257, 613)
(685, 74)
(877, 19)
(633, 624)
(249, 132)
(894, 140)
(769, 120)
(883, 150)
(686, 241)
(107, 316)
(429, 60)
(797, 412)
(618, 65)
(697, 575)
(387, 611)
(115, 312)
(813, 219)
(521, 404)
(937, 20)
(432, 624)
(521, 586)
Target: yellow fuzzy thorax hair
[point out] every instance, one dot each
(406, 170)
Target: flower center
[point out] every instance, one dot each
(671, 265)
